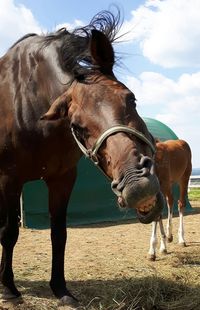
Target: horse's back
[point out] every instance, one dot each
(178, 146)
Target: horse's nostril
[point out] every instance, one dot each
(146, 162)
(145, 165)
(144, 172)
(117, 186)
(114, 187)
(114, 184)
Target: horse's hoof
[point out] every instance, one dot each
(170, 239)
(68, 303)
(7, 295)
(10, 302)
(152, 257)
(182, 244)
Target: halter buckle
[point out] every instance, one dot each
(93, 157)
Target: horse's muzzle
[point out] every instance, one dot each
(139, 189)
(154, 212)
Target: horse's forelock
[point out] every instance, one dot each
(75, 52)
(104, 21)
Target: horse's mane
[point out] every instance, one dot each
(26, 36)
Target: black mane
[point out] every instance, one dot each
(74, 52)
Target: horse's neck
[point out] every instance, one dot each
(54, 77)
(40, 80)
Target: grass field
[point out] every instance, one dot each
(194, 194)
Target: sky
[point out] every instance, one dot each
(160, 52)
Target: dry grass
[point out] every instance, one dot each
(107, 268)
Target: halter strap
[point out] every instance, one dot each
(92, 152)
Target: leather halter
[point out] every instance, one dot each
(92, 152)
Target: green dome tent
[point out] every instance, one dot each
(92, 200)
(159, 130)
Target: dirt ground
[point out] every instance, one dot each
(102, 256)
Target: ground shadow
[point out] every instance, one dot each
(192, 211)
(147, 293)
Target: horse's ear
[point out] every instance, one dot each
(58, 109)
(102, 51)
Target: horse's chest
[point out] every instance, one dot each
(58, 163)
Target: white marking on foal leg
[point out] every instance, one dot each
(181, 238)
(163, 247)
(153, 242)
(169, 226)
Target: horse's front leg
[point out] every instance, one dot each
(9, 231)
(59, 194)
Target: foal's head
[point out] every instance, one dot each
(102, 115)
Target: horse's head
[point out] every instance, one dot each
(106, 126)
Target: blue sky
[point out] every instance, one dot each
(161, 53)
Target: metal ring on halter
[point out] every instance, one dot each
(92, 153)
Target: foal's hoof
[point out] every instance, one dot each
(182, 244)
(68, 303)
(163, 251)
(151, 257)
(170, 239)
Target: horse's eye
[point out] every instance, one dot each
(131, 100)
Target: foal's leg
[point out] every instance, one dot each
(181, 208)
(153, 242)
(181, 238)
(9, 231)
(170, 202)
(59, 194)
(163, 247)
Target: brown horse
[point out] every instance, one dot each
(173, 165)
(94, 113)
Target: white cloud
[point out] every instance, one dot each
(175, 103)
(76, 23)
(152, 88)
(168, 31)
(16, 21)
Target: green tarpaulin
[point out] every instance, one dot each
(92, 200)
